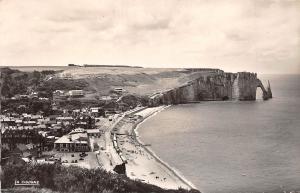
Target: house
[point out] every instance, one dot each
(56, 128)
(24, 96)
(77, 130)
(73, 142)
(76, 93)
(40, 127)
(64, 119)
(44, 133)
(123, 106)
(58, 92)
(106, 98)
(36, 117)
(9, 121)
(82, 124)
(29, 123)
(49, 142)
(43, 99)
(119, 90)
(93, 133)
(96, 111)
(33, 95)
(59, 95)
(18, 122)
(43, 121)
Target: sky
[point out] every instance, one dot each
(234, 35)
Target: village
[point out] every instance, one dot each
(68, 136)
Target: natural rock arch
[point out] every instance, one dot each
(267, 93)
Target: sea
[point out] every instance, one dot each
(233, 146)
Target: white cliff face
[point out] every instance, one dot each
(247, 84)
(224, 86)
(235, 89)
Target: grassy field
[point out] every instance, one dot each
(141, 81)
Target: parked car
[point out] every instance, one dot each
(83, 154)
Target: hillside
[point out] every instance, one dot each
(141, 81)
(20, 82)
(96, 81)
(55, 177)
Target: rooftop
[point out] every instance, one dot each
(73, 138)
(93, 131)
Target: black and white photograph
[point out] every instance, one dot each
(141, 96)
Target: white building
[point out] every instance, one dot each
(76, 93)
(73, 142)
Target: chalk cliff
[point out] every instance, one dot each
(216, 86)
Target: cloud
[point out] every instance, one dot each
(154, 24)
(229, 34)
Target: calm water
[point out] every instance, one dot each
(234, 146)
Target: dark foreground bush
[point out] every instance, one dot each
(75, 179)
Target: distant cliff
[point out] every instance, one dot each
(217, 86)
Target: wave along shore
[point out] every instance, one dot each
(148, 115)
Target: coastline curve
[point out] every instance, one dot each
(153, 154)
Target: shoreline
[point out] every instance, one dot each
(173, 170)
